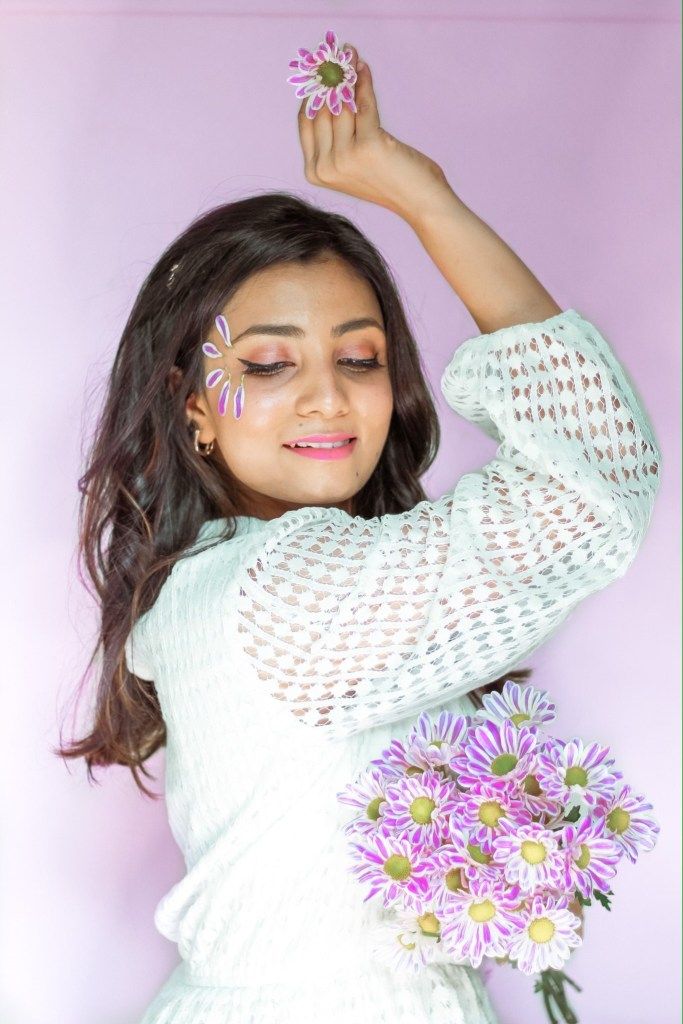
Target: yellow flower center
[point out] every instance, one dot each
(482, 912)
(454, 880)
(436, 743)
(401, 942)
(532, 852)
(397, 867)
(531, 785)
(618, 820)
(421, 810)
(330, 73)
(413, 769)
(519, 718)
(490, 813)
(429, 924)
(503, 764)
(583, 860)
(576, 776)
(372, 810)
(477, 854)
(541, 930)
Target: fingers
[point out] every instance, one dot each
(367, 118)
(307, 140)
(344, 124)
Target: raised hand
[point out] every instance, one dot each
(353, 153)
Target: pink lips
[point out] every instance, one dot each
(322, 438)
(325, 453)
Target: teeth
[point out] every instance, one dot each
(321, 444)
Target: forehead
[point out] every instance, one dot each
(323, 287)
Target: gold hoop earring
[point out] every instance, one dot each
(202, 449)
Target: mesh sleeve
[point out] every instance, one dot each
(355, 622)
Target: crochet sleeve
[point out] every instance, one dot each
(354, 622)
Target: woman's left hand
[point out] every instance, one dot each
(352, 153)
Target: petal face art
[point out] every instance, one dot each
(325, 76)
(214, 377)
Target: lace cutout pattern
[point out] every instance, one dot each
(354, 622)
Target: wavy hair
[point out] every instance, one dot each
(145, 493)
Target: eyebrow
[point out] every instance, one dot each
(290, 331)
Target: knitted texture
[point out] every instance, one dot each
(287, 656)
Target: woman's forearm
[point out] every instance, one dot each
(498, 289)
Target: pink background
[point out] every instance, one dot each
(557, 121)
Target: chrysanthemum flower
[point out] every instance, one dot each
(627, 823)
(474, 859)
(406, 940)
(530, 856)
(521, 705)
(548, 935)
(398, 760)
(324, 76)
(396, 869)
(480, 922)
(591, 857)
(496, 751)
(418, 808)
(447, 872)
(367, 794)
(434, 743)
(576, 775)
(484, 807)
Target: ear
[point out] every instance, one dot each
(197, 411)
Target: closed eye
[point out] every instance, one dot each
(267, 369)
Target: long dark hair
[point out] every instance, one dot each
(145, 492)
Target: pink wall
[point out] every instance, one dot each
(558, 123)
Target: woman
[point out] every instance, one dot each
(274, 614)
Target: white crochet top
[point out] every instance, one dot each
(286, 657)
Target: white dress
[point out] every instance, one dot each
(286, 657)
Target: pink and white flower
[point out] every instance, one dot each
(547, 937)
(433, 744)
(325, 76)
(396, 869)
(367, 795)
(521, 705)
(530, 856)
(481, 921)
(406, 941)
(496, 751)
(576, 775)
(485, 806)
(418, 807)
(592, 857)
(628, 823)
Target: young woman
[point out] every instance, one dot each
(273, 614)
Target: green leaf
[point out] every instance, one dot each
(583, 900)
(603, 897)
(573, 815)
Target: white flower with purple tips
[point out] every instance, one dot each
(592, 857)
(521, 705)
(530, 856)
(367, 794)
(407, 941)
(395, 869)
(418, 807)
(547, 937)
(481, 921)
(576, 774)
(433, 744)
(325, 76)
(486, 806)
(628, 823)
(494, 751)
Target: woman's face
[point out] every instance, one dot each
(315, 391)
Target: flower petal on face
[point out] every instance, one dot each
(214, 377)
(223, 329)
(223, 398)
(209, 349)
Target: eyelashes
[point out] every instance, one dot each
(269, 369)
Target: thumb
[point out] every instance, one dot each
(367, 116)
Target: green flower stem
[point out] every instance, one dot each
(552, 988)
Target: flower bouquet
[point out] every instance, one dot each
(481, 834)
